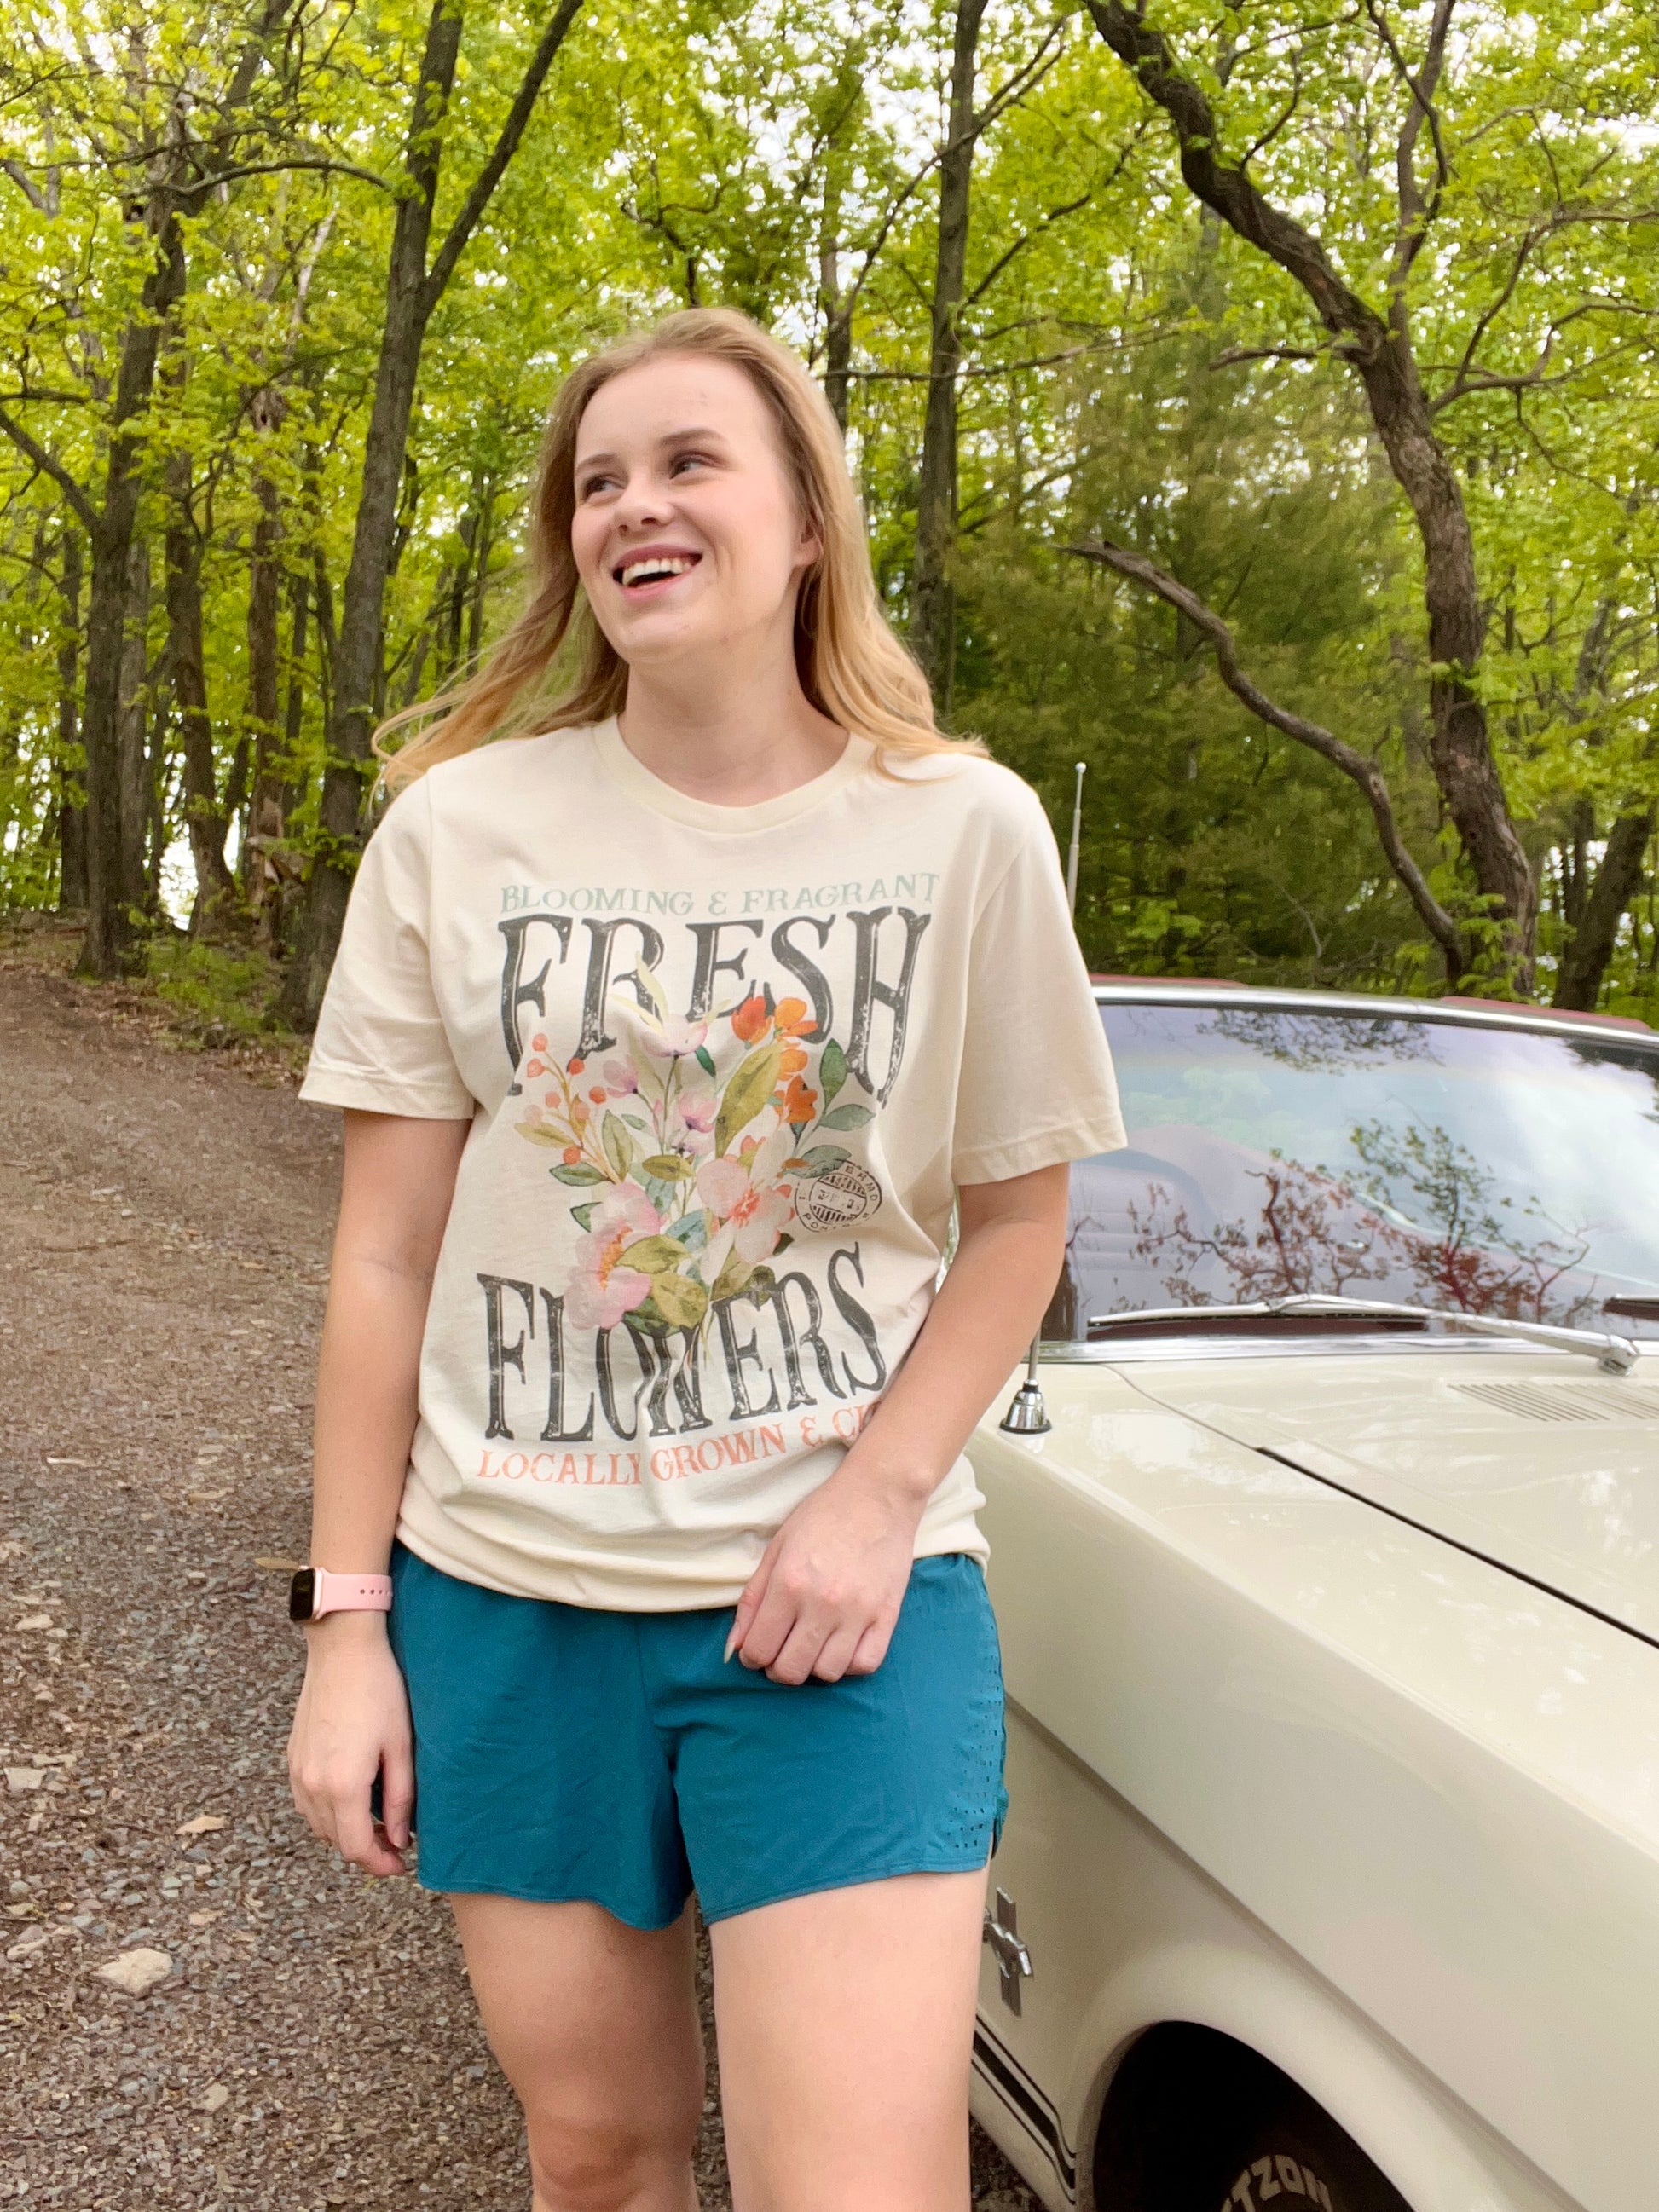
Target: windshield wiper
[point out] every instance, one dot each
(1616, 1354)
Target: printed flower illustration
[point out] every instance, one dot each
(757, 1212)
(674, 1039)
(601, 1287)
(695, 1139)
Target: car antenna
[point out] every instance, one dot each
(1027, 1414)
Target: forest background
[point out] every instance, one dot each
(1254, 402)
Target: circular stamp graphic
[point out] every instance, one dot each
(846, 1194)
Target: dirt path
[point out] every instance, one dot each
(164, 1219)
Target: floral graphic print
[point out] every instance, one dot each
(698, 1147)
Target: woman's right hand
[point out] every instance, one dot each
(352, 1723)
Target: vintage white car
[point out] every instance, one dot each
(1329, 1601)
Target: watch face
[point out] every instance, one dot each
(301, 1594)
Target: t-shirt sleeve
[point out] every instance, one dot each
(1037, 1086)
(380, 1043)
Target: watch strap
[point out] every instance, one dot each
(318, 1591)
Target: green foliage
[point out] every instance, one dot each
(1130, 368)
(217, 997)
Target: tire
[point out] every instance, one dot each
(1296, 2160)
(1198, 2123)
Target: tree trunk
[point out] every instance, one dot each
(261, 725)
(357, 650)
(412, 292)
(932, 596)
(71, 784)
(132, 739)
(1460, 746)
(1585, 963)
(205, 825)
(1379, 350)
(110, 880)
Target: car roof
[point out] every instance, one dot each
(1473, 1013)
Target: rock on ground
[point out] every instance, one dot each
(164, 1225)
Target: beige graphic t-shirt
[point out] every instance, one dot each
(724, 1066)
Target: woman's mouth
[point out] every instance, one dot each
(642, 574)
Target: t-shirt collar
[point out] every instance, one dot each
(638, 781)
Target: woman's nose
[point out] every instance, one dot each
(641, 504)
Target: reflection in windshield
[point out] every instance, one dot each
(1278, 1153)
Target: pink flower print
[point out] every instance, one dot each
(675, 1038)
(620, 1080)
(598, 1290)
(755, 1213)
(694, 1110)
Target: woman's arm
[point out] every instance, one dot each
(827, 1592)
(352, 1721)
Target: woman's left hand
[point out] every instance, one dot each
(823, 1599)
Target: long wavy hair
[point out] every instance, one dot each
(851, 665)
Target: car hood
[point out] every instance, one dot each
(1543, 1466)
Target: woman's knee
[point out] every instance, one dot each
(612, 2164)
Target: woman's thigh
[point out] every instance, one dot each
(595, 2025)
(846, 2027)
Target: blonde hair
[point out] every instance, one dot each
(852, 667)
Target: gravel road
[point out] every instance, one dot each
(309, 2039)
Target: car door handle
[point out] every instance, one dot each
(1001, 1931)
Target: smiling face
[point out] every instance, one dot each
(686, 532)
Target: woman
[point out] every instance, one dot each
(667, 1028)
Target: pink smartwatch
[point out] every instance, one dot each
(314, 1592)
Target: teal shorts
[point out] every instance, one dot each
(562, 1752)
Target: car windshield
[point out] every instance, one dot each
(1273, 1153)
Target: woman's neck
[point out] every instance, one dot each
(734, 742)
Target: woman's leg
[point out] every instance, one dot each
(845, 2026)
(595, 2025)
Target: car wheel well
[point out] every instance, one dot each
(1181, 2091)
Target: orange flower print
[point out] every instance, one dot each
(792, 1018)
(791, 1060)
(749, 1020)
(800, 1102)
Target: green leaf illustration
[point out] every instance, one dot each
(822, 1158)
(576, 1172)
(762, 1282)
(583, 1215)
(832, 1070)
(653, 1255)
(733, 1278)
(646, 979)
(846, 1117)
(618, 1146)
(681, 1304)
(537, 1132)
(705, 1060)
(669, 1167)
(746, 1093)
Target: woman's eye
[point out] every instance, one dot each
(591, 485)
(686, 461)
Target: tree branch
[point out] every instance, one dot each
(507, 144)
(1025, 238)
(1364, 772)
(1223, 186)
(49, 464)
(1416, 213)
(19, 176)
(1025, 78)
